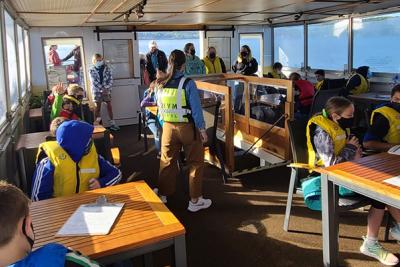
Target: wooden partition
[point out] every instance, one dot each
(242, 127)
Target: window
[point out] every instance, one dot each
(376, 42)
(27, 59)
(21, 59)
(3, 102)
(255, 42)
(12, 60)
(289, 46)
(328, 45)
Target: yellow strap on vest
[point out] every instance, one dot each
(213, 67)
(393, 117)
(319, 84)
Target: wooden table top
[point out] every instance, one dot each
(35, 113)
(144, 220)
(372, 96)
(369, 173)
(33, 140)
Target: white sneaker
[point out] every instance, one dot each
(162, 198)
(376, 251)
(395, 232)
(202, 203)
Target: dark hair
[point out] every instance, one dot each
(175, 62)
(337, 104)
(320, 72)
(187, 46)
(395, 89)
(295, 75)
(14, 206)
(277, 65)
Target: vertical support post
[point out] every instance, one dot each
(229, 130)
(180, 251)
(98, 33)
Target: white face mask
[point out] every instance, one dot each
(99, 63)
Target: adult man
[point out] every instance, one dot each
(155, 60)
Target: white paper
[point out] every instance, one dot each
(91, 220)
(393, 181)
(395, 150)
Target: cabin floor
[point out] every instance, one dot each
(243, 227)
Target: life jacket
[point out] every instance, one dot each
(275, 75)
(393, 116)
(337, 134)
(70, 177)
(362, 88)
(172, 103)
(306, 90)
(213, 67)
(319, 84)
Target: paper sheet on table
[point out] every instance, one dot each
(393, 181)
(395, 150)
(91, 220)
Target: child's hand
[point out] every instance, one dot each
(358, 154)
(353, 141)
(94, 184)
(58, 89)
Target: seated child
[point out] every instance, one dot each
(73, 90)
(17, 236)
(71, 164)
(69, 105)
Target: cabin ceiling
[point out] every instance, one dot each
(186, 13)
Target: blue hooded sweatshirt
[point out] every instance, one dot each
(73, 136)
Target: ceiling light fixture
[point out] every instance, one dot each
(298, 16)
(137, 9)
(269, 20)
(126, 17)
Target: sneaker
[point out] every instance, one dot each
(202, 203)
(162, 198)
(395, 232)
(114, 128)
(376, 251)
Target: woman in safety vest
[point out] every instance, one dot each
(213, 63)
(180, 110)
(329, 143)
(384, 132)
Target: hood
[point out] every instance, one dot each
(363, 70)
(50, 255)
(73, 136)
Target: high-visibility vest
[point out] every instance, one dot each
(213, 67)
(70, 177)
(319, 84)
(275, 75)
(362, 88)
(393, 116)
(172, 103)
(337, 134)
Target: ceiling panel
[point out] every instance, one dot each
(54, 5)
(53, 20)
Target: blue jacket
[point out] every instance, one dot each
(51, 255)
(73, 136)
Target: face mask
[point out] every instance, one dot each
(212, 55)
(243, 54)
(28, 238)
(345, 123)
(79, 97)
(99, 63)
(193, 52)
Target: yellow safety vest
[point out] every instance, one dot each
(393, 116)
(337, 134)
(69, 177)
(362, 88)
(172, 104)
(213, 67)
(319, 84)
(275, 75)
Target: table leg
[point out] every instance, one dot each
(148, 260)
(180, 251)
(329, 226)
(23, 179)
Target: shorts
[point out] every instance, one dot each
(99, 97)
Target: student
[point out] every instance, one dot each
(276, 72)
(245, 64)
(194, 65)
(74, 91)
(155, 60)
(320, 77)
(329, 143)
(180, 110)
(384, 131)
(55, 123)
(17, 236)
(304, 93)
(101, 81)
(53, 56)
(71, 164)
(358, 82)
(68, 107)
(213, 63)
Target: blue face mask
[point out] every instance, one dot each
(99, 63)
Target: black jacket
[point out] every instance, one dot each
(246, 67)
(162, 64)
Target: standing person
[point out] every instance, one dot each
(276, 71)
(17, 236)
(384, 130)
(358, 82)
(213, 63)
(194, 65)
(155, 59)
(329, 143)
(53, 56)
(180, 110)
(76, 53)
(101, 81)
(320, 77)
(245, 64)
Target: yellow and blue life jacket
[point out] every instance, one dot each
(393, 117)
(362, 88)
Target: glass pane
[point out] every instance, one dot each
(323, 37)
(376, 42)
(254, 41)
(289, 46)
(27, 59)
(12, 60)
(3, 102)
(21, 57)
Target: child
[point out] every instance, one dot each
(304, 93)
(73, 90)
(329, 143)
(17, 236)
(276, 72)
(320, 77)
(68, 107)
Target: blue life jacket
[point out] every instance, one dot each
(50, 255)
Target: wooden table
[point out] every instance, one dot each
(144, 225)
(364, 177)
(35, 119)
